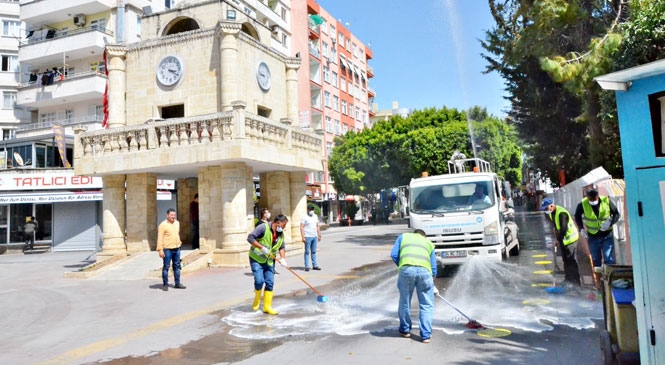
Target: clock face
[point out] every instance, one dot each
(263, 76)
(170, 70)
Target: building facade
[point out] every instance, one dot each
(335, 95)
(10, 71)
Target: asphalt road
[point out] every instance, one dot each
(124, 317)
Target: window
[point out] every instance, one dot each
(324, 49)
(345, 128)
(8, 134)
(334, 79)
(326, 99)
(326, 74)
(283, 14)
(338, 129)
(138, 25)
(328, 124)
(99, 24)
(47, 117)
(350, 110)
(333, 55)
(66, 116)
(8, 99)
(342, 84)
(344, 107)
(9, 63)
(348, 43)
(11, 28)
(340, 39)
(336, 103)
(354, 50)
(357, 113)
(285, 39)
(332, 31)
(329, 148)
(64, 31)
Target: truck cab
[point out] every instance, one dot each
(464, 213)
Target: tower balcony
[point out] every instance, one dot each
(179, 147)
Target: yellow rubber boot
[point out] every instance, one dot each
(257, 300)
(267, 303)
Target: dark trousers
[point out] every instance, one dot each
(570, 268)
(195, 235)
(30, 240)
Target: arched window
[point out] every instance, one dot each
(180, 25)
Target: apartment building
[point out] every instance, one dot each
(10, 117)
(53, 53)
(334, 91)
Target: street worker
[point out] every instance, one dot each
(565, 237)
(310, 230)
(168, 247)
(266, 241)
(413, 253)
(596, 215)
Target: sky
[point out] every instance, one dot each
(426, 53)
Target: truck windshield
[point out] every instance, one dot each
(463, 196)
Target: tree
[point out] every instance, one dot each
(393, 152)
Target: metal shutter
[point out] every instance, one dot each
(74, 226)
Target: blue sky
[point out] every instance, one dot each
(426, 52)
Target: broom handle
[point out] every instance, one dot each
(298, 276)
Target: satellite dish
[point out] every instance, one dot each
(18, 159)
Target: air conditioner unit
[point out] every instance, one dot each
(79, 20)
(275, 29)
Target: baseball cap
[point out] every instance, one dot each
(309, 207)
(546, 203)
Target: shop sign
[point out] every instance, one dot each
(60, 180)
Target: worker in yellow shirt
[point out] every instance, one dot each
(168, 247)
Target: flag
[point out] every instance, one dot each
(59, 135)
(105, 100)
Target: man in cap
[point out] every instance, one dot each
(597, 214)
(566, 236)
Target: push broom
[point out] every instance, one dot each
(473, 324)
(320, 297)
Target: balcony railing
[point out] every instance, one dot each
(52, 34)
(204, 129)
(63, 122)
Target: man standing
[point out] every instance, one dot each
(168, 247)
(266, 240)
(414, 256)
(194, 216)
(597, 214)
(566, 236)
(310, 230)
(29, 230)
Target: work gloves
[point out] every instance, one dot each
(282, 262)
(265, 251)
(606, 225)
(436, 291)
(584, 234)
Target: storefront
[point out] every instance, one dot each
(67, 208)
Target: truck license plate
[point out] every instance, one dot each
(452, 254)
(452, 230)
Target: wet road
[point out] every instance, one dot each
(358, 325)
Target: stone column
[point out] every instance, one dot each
(292, 66)
(114, 216)
(236, 208)
(115, 63)
(209, 187)
(142, 212)
(297, 187)
(229, 83)
(275, 192)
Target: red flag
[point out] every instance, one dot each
(105, 100)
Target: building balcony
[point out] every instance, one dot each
(9, 78)
(8, 8)
(370, 92)
(179, 147)
(370, 71)
(56, 11)
(76, 44)
(74, 88)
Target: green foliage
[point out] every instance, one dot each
(351, 209)
(393, 152)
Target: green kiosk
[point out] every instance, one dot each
(640, 96)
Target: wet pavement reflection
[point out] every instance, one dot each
(508, 294)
